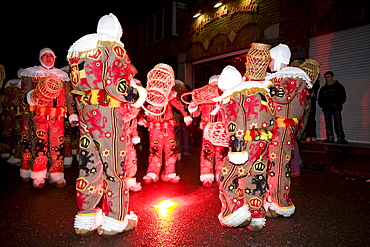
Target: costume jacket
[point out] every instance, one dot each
(100, 77)
(289, 94)
(162, 138)
(250, 116)
(212, 156)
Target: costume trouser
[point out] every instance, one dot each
(311, 121)
(162, 140)
(296, 159)
(278, 179)
(211, 159)
(130, 166)
(245, 184)
(338, 127)
(184, 138)
(27, 144)
(10, 134)
(50, 143)
(67, 139)
(102, 155)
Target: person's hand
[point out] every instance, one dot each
(142, 122)
(136, 140)
(188, 120)
(74, 123)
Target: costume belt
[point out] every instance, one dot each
(24, 109)
(286, 122)
(96, 97)
(257, 135)
(51, 112)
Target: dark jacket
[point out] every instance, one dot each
(332, 97)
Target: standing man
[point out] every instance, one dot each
(100, 75)
(332, 96)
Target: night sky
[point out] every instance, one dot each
(27, 27)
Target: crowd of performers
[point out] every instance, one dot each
(249, 124)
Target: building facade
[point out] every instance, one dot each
(332, 32)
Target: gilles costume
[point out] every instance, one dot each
(163, 141)
(49, 123)
(211, 156)
(133, 138)
(10, 122)
(100, 72)
(288, 92)
(37, 136)
(161, 126)
(249, 121)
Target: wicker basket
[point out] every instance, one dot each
(312, 69)
(258, 59)
(216, 134)
(202, 95)
(161, 79)
(46, 90)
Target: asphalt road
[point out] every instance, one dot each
(331, 210)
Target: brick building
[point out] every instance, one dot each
(332, 32)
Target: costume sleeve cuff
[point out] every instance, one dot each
(191, 109)
(135, 140)
(73, 117)
(29, 101)
(238, 158)
(142, 96)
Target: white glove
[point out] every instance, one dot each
(142, 122)
(142, 96)
(188, 120)
(135, 140)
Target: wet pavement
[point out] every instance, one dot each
(332, 208)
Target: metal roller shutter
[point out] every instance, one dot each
(347, 54)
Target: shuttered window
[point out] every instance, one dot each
(347, 54)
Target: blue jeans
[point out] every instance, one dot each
(184, 138)
(338, 127)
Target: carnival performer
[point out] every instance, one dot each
(211, 156)
(133, 138)
(33, 144)
(249, 121)
(288, 92)
(100, 74)
(161, 126)
(10, 146)
(51, 101)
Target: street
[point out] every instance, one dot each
(331, 210)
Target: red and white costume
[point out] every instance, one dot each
(212, 156)
(100, 74)
(249, 119)
(288, 92)
(43, 126)
(163, 140)
(10, 122)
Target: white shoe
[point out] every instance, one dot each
(68, 162)
(14, 161)
(133, 185)
(172, 178)
(5, 156)
(112, 226)
(87, 224)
